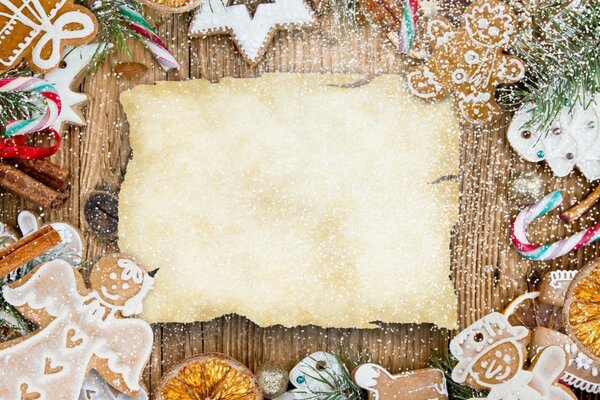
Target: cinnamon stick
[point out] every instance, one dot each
(46, 172)
(27, 249)
(582, 207)
(21, 184)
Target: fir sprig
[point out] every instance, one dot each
(113, 28)
(340, 386)
(563, 62)
(17, 105)
(456, 391)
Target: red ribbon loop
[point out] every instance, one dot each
(12, 147)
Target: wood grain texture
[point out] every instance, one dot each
(487, 272)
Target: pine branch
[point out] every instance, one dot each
(17, 105)
(563, 62)
(113, 28)
(456, 391)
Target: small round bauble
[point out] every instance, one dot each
(208, 376)
(526, 188)
(272, 379)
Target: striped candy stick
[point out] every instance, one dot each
(157, 47)
(553, 250)
(406, 37)
(51, 99)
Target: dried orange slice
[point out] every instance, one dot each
(582, 310)
(209, 376)
(172, 6)
(527, 311)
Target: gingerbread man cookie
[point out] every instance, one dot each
(491, 354)
(469, 61)
(79, 329)
(423, 384)
(39, 29)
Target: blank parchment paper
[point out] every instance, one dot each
(291, 200)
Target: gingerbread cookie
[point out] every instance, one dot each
(554, 285)
(491, 354)
(79, 329)
(581, 372)
(469, 61)
(423, 384)
(39, 29)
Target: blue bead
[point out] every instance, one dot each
(540, 154)
(300, 379)
(567, 102)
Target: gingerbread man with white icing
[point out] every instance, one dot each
(469, 61)
(491, 354)
(79, 329)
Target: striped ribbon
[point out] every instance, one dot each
(552, 250)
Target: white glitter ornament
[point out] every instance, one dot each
(572, 140)
(250, 34)
(526, 188)
(272, 379)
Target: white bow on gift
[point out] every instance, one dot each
(308, 375)
(40, 22)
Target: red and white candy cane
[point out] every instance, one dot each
(553, 250)
(19, 131)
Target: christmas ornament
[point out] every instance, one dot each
(526, 188)
(424, 384)
(39, 29)
(208, 376)
(582, 310)
(572, 139)
(491, 355)
(79, 329)
(68, 75)
(96, 388)
(251, 35)
(321, 375)
(272, 379)
(172, 6)
(469, 61)
(518, 232)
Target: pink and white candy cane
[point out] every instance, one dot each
(553, 250)
(43, 88)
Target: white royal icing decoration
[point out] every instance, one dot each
(307, 381)
(573, 140)
(53, 361)
(76, 60)
(250, 34)
(33, 15)
(559, 277)
(96, 388)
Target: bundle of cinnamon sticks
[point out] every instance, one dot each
(39, 181)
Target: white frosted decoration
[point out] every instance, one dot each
(96, 388)
(573, 140)
(72, 243)
(309, 376)
(250, 34)
(43, 22)
(52, 363)
(76, 59)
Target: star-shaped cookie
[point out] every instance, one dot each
(250, 34)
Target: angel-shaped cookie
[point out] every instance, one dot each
(469, 61)
(79, 329)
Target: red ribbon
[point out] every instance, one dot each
(12, 147)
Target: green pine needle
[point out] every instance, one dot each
(113, 28)
(563, 62)
(456, 391)
(17, 105)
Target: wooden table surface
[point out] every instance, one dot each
(486, 271)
